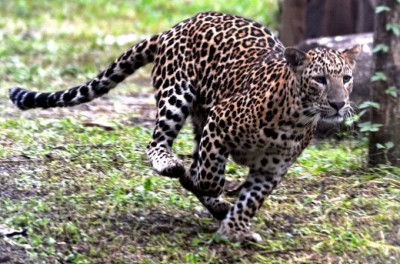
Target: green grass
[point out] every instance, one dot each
(50, 43)
(78, 181)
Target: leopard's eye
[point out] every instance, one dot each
(320, 79)
(346, 78)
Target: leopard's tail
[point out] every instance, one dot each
(134, 58)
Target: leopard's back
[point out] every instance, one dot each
(213, 55)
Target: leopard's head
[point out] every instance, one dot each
(325, 81)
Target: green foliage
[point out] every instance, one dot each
(382, 8)
(395, 28)
(392, 91)
(363, 107)
(369, 127)
(381, 48)
(386, 146)
(379, 76)
(369, 104)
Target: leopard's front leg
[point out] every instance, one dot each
(236, 225)
(217, 206)
(206, 176)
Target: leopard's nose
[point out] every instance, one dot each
(337, 105)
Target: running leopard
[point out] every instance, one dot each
(248, 97)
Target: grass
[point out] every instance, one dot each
(78, 182)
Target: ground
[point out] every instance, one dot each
(77, 183)
(77, 180)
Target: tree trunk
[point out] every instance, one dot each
(381, 151)
(293, 17)
(304, 19)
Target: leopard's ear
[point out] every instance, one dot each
(296, 59)
(351, 55)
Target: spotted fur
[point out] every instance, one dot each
(248, 97)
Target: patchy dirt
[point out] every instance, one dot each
(10, 253)
(10, 250)
(102, 112)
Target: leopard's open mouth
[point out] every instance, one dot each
(335, 118)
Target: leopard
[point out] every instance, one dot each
(248, 96)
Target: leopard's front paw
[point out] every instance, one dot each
(169, 166)
(218, 207)
(232, 187)
(187, 183)
(241, 236)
